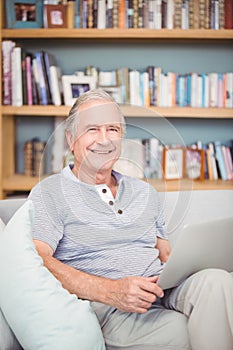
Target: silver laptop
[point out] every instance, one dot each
(199, 246)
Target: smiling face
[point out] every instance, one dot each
(97, 145)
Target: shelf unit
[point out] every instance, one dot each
(9, 181)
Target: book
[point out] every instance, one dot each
(90, 21)
(109, 14)
(29, 82)
(35, 75)
(229, 90)
(77, 16)
(56, 85)
(228, 14)
(71, 14)
(227, 162)
(16, 77)
(7, 48)
(101, 17)
(33, 157)
(211, 160)
(220, 160)
(41, 78)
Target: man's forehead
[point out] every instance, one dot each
(100, 114)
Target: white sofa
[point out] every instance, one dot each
(181, 208)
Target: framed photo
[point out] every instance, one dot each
(55, 16)
(173, 163)
(195, 164)
(114, 91)
(74, 86)
(24, 13)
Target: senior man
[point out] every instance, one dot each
(102, 234)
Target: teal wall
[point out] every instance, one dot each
(177, 56)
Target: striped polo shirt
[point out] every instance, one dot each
(93, 232)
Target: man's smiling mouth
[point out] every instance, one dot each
(101, 151)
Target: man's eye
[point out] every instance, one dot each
(92, 129)
(114, 129)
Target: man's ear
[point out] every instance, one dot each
(70, 140)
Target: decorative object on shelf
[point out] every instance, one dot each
(74, 86)
(24, 13)
(195, 163)
(114, 91)
(173, 163)
(55, 16)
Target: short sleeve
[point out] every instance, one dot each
(47, 225)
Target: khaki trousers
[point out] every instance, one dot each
(198, 315)
(206, 298)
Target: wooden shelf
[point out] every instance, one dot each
(122, 34)
(128, 111)
(189, 185)
(20, 182)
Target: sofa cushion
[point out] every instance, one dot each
(41, 313)
(8, 340)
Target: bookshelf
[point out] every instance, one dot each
(9, 181)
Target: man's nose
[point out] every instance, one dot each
(103, 136)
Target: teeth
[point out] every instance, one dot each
(101, 152)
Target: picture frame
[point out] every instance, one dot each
(74, 86)
(55, 16)
(24, 13)
(195, 164)
(173, 163)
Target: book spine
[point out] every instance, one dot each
(158, 14)
(17, 89)
(140, 23)
(220, 160)
(70, 14)
(29, 80)
(7, 49)
(101, 18)
(229, 90)
(228, 14)
(41, 77)
(150, 71)
(109, 14)
(77, 15)
(28, 158)
(135, 13)
(36, 78)
(130, 10)
(170, 14)
(177, 13)
(221, 14)
(115, 14)
(95, 13)
(121, 13)
(202, 14)
(90, 21)
(55, 74)
(207, 14)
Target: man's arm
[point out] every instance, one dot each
(130, 294)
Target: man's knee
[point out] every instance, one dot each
(216, 277)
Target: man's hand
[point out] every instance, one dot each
(164, 249)
(134, 294)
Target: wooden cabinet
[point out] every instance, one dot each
(10, 181)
